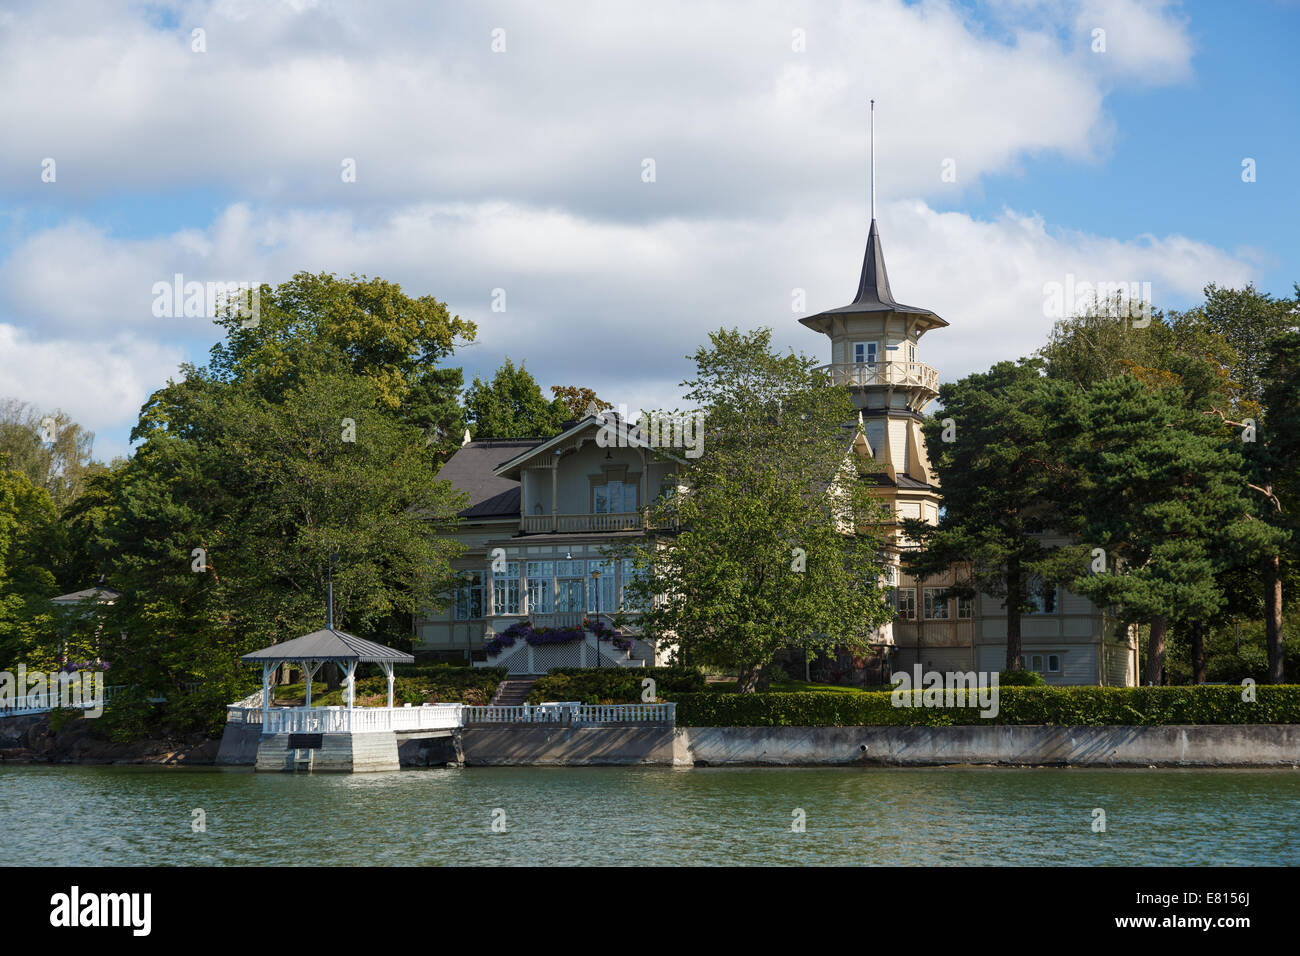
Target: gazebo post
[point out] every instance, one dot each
(306, 676)
(266, 693)
(352, 683)
(388, 670)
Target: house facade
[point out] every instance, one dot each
(544, 519)
(545, 514)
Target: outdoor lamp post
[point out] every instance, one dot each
(595, 576)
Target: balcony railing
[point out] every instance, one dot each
(556, 523)
(557, 618)
(883, 373)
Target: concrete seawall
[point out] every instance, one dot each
(1253, 745)
(540, 745)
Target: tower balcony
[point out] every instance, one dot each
(865, 374)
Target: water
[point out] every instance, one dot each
(561, 816)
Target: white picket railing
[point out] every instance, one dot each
(573, 714)
(331, 720)
(49, 700)
(243, 715)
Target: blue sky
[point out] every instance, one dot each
(522, 169)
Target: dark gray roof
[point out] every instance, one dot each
(874, 294)
(472, 468)
(98, 594)
(327, 645)
(903, 481)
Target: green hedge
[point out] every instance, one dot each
(613, 685)
(442, 685)
(1062, 706)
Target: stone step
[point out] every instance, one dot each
(511, 693)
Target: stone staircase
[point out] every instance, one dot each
(511, 693)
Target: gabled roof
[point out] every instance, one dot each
(472, 469)
(327, 645)
(626, 428)
(874, 294)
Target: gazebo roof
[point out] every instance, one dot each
(329, 645)
(101, 594)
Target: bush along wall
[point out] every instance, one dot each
(1060, 706)
(613, 685)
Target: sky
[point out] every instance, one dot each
(631, 175)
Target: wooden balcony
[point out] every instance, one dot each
(941, 632)
(858, 374)
(558, 523)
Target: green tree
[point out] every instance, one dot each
(778, 538)
(316, 324)
(1155, 486)
(577, 400)
(29, 535)
(511, 405)
(50, 449)
(995, 465)
(1277, 464)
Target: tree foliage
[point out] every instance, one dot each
(778, 538)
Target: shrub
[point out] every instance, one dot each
(613, 685)
(440, 685)
(1060, 706)
(1021, 678)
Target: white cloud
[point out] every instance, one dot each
(617, 306)
(100, 384)
(734, 117)
(522, 171)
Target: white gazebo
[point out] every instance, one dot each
(322, 647)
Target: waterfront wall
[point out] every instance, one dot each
(542, 745)
(337, 753)
(1233, 745)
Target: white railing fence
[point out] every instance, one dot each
(49, 700)
(573, 714)
(333, 720)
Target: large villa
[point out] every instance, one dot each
(545, 514)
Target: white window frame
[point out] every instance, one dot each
(931, 604)
(463, 602)
(505, 590)
(898, 604)
(870, 353)
(1038, 596)
(622, 489)
(541, 587)
(967, 604)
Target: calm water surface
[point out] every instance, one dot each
(557, 816)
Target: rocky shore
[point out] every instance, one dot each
(33, 739)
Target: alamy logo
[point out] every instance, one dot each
(653, 431)
(103, 909)
(1118, 300)
(196, 300)
(38, 691)
(949, 689)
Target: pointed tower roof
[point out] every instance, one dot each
(874, 294)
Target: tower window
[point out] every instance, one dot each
(864, 353)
